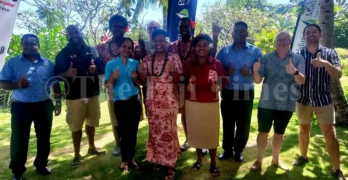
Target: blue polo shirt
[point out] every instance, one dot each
(245, 56)
(124, 86)
(38, 73)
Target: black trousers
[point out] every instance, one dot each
(144, 90)
(236, 109)
(22, 115)
(128, 115)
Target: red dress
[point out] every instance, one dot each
(162, 109)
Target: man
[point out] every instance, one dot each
(237, 97)
(28, 75)
(146, 48)
(281, 71)
(79, 65)
(322, 65)
(108, 50)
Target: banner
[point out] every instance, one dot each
(178, 9)
(8, 15)
(309, 15)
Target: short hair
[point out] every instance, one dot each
(202, 37)
(26, 36)
(241, 23)
(159, 32)
(185, 19)
(311, 25)
(153, 22)
(126, 39)
(72, 26)
(116, 18)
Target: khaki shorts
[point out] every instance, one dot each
(324, 114)
(79, 111)
(112, 113)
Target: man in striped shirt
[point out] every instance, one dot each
(322, 64)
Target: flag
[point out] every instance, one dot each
(309, 15)
(178, 9)
(8, 14)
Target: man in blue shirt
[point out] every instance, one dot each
(80, 65)
(237, 98)
(28, 76)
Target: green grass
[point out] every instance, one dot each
(342, 53)
(107, 167)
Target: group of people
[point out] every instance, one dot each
(183, 77)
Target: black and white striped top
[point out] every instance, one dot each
(316, 90)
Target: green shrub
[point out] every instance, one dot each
(342, 53)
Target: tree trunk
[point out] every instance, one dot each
(326, 21)
(138, 8)
(165, 17)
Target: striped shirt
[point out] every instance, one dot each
(316, 90)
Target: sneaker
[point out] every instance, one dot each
(116, 151)
(96, 151)
(185, 146)
(338, 175)
(300, 161)
(76, 161)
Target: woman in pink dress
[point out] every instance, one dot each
(161, 72)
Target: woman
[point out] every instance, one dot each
(203, 74)
(121, 74)
(161, 70)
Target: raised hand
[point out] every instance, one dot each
(318, 62)
(290, 68)
(171, 67)
(257, 65)
(216, 29)
(71, 71)
(116, 73)
(230, 69)
(92, 68)
(245, 71)
(23, 82)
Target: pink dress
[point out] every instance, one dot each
(162, 109)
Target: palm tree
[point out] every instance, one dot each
(326, 20)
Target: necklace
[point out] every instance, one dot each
(164, 64)
(180, 54)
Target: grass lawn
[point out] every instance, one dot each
(107, 167)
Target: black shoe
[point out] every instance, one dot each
(238, 157)
(204, 152)
(338, 175)
(300, 161)
(225, 155)
(17, 177)
(44, 171)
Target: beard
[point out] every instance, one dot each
(75, 41)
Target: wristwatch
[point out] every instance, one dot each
(296, 73)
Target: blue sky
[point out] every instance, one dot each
(148, 14)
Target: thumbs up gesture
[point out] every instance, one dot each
(245, 71)
(318, 62)
(116, 73)
(92, 68)
(290, 68)
(171, 67)
(189, 87)
(257, 65)
(133, 74)
(141, 68)
(216, 29)
(230, 69)
(71, 71)
(23, 82)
